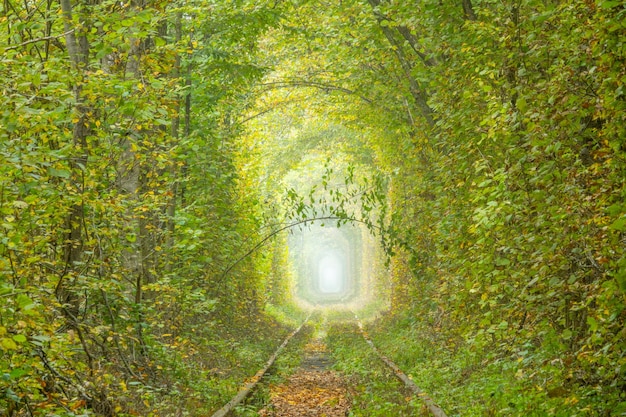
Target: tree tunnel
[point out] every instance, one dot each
(329, 267)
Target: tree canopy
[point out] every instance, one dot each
(152, 153)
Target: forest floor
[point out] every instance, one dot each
(314, 390)
(329, 370)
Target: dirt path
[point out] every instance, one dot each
(312, 391)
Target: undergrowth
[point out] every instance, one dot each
(222, 359)
(374, 390)
(286, 363)
(467, 381)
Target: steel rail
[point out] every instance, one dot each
(433, 408)
(249, 386)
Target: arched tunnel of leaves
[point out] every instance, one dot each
(166, 167)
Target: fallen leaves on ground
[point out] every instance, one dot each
(312, 391)
(309, 394)
(316, 346)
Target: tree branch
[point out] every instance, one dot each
(406, 34)
(45, 38)
(70, 37)
(318, 85)
(268, 110)
(289, 226)
(419, 94)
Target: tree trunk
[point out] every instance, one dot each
(468, 10)
(419, 94)
(78, 52)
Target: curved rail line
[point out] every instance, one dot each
(246, 389)
(434, 409)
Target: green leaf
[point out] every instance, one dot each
(503, 262)
(615, 209)
(5, 289)
(521, 104)
(10, 394)
(61, 173)
(619, 224)
(20, 338)
(16, 373)
(610, 4)
(539, 19)
(39, 340)
(8, 344)
(23, 302)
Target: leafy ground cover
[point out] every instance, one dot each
(204, 372)
(374, 391)
(485, 382)
(286, 364)
(312, 390)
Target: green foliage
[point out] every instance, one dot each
(499, 128)
(136, 166)
(466, 379)
(119, 206)
(375, 391)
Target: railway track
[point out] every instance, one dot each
(316, 378)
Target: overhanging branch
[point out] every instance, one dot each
(43, 39)
(289, 226)
(315, 84)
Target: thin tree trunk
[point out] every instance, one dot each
(171, 208)
(468, 10)
(419, 94)
(78, 52)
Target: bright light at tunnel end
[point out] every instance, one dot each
(330, 268)
(330, 275)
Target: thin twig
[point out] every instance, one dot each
(289, 226)
(314, 84)
(116, 337)
(45, 38)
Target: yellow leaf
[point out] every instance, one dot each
(8, 344)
